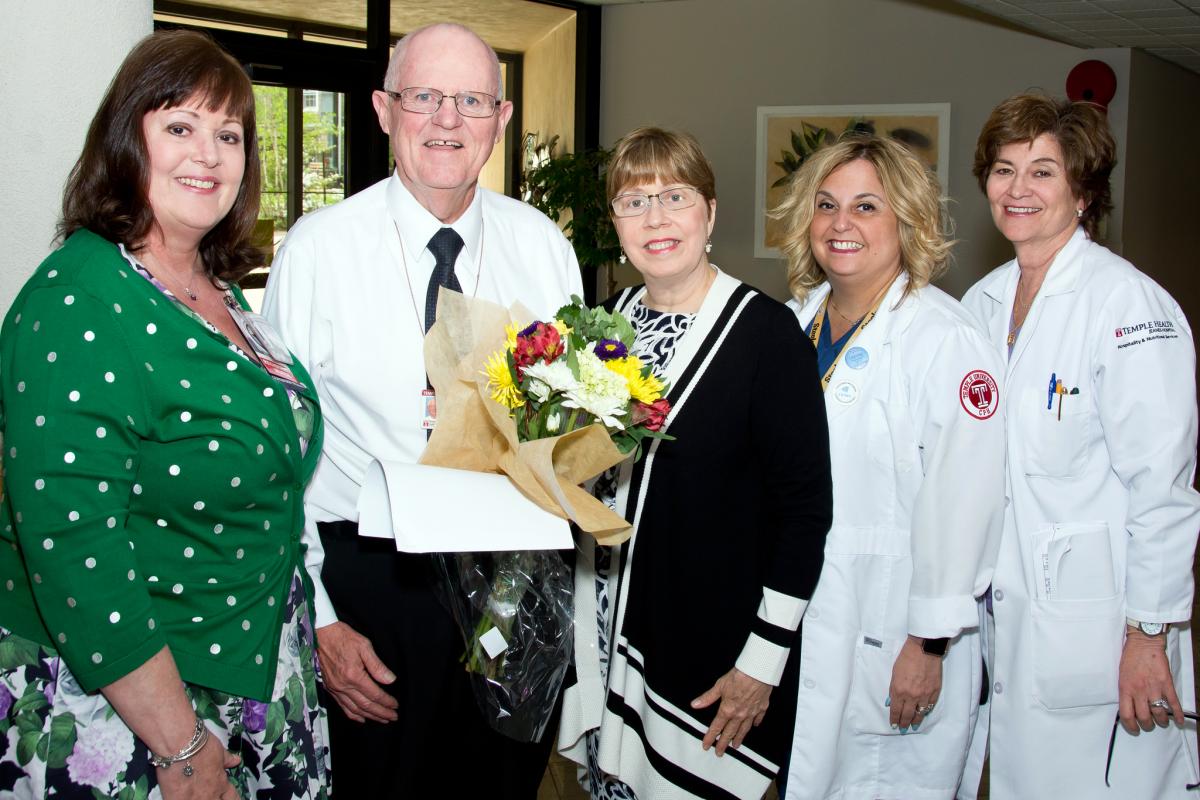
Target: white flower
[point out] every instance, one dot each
(553, 422)
(601, 392)
(102, 750)
(548, 378)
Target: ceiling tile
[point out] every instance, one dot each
(1126, 6)
(1179, 27)
(1113, 25)
(1146, 39)
(1169, 52)
(1168, 28)
(1174, 12)
(1071, 17)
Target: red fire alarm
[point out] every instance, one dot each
(1092, 82)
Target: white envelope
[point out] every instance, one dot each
(436, 509)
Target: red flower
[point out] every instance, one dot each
(538, 341)
(653, 415)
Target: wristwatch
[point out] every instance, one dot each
(935, 647)
(1148, 628)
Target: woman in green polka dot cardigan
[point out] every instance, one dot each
(154, 630)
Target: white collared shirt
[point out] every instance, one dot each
(347, 293)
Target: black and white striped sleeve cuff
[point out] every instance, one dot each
(771, 636)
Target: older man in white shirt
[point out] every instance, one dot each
(353, 292)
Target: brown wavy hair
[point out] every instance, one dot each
(1081, 130)
(107, 191)
(912, 191)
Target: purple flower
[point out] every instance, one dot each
(608, 349)
(6, 701)
(52, 684)
(528, 331)
(254, 715)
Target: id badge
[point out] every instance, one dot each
(261, 335)
(428, 409)
(281, 372)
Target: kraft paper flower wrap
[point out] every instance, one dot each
(476, 433)
(505, 386)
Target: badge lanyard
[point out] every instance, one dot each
(814, 335)
(428, 400)
(408, 280)
(265, 343)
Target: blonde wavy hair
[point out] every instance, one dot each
(912, 192)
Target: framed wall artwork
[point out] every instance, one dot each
(787, 135)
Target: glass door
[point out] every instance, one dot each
(302, 147)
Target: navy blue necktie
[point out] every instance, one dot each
(445, 246)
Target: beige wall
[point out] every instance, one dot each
(1162, 190)
(56, 59)
(705, 65)
(549, 88)
(492, 174)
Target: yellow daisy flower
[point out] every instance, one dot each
(510, 337)
(561, 327)
(644, 390)
(500, 382)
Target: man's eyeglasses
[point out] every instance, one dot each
(1112, 740)
(634, 204)
(423, 100)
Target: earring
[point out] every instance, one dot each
(1079, 213)
(708, 246)
(622, 258)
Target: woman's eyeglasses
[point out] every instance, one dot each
(1112, 741)
(634, 204)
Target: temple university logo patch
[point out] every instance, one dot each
(979, 394)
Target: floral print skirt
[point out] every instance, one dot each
(58, 741)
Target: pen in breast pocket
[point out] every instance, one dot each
(1053, 391)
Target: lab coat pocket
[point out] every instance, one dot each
(1072, 561)
(867, 711)
(892, 443)
(879, 436)
(1054, 445)
(1077, 651)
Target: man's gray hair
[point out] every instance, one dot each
(392, 76)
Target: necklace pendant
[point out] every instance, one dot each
(190, 293)
(1012, 337)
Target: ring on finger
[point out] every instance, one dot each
(923, 710)
(1161, 703)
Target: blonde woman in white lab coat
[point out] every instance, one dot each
(1093, 587)
(891, 666)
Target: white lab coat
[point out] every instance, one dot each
(1101, 525)
(917, 515)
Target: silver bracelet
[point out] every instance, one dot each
(199, 739)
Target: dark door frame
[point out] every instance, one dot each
(356, 72)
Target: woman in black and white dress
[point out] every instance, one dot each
(686, 644)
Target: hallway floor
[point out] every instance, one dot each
(559, 782)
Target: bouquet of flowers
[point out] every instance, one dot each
(574, 371)
(551, 404)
